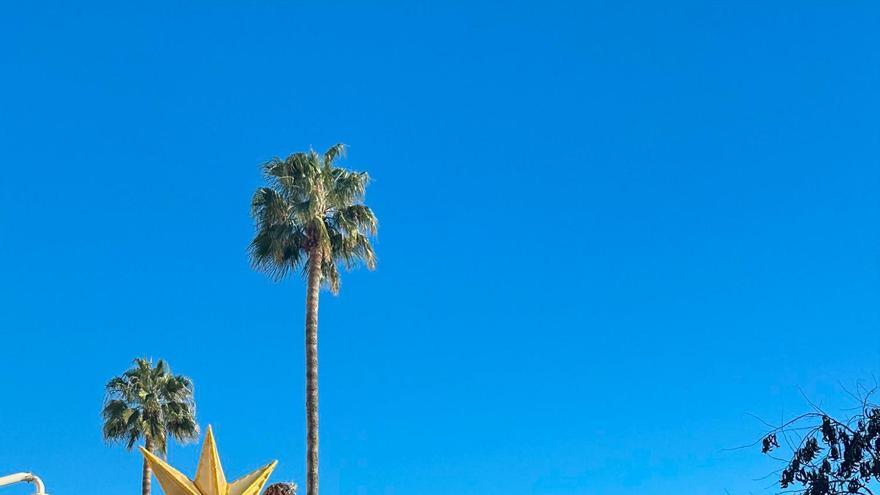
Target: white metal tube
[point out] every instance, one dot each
(26, 477)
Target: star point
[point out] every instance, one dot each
(209, 479)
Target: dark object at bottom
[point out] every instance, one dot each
(281, 489)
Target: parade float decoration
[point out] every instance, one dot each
(209, 479)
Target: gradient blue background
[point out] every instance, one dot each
(609, 230)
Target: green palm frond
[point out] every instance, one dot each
(311, 208)
(337, 150)
(355, 219)
(347, 188)
(330, 276)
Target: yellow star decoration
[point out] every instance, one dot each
(209, 479)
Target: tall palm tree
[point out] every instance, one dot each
(311, 216)
(149, 403)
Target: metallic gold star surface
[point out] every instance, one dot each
(209, 479)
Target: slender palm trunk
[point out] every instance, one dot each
(312, 293)
(146, 477)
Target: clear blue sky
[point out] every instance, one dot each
(608, 231)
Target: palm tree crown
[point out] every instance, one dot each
(150, 403)
(312, 212)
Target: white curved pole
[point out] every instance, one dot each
(24, 477)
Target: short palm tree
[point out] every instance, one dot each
(312, 217)
(149, 403)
